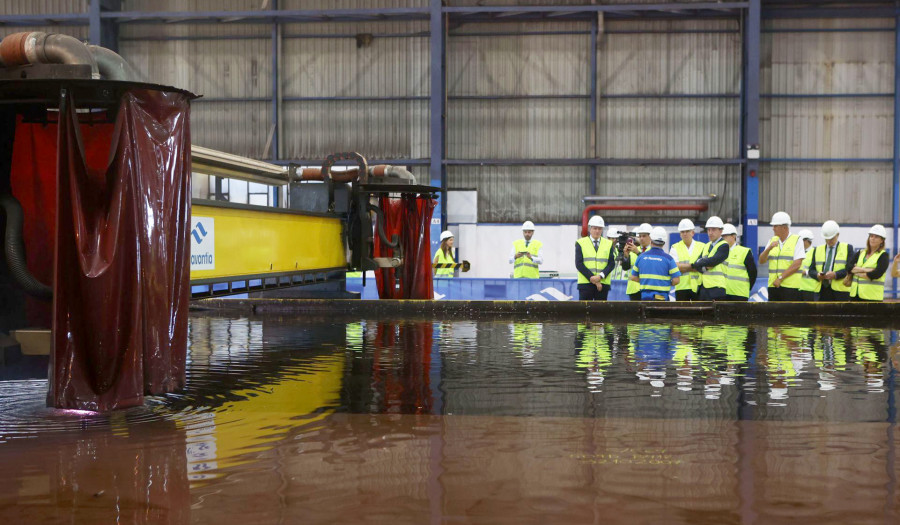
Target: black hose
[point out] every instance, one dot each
(379, 227)
(15, 250)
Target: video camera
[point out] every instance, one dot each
(624, 238)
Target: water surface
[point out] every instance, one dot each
(349, 420)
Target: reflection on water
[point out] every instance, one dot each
(485, 421)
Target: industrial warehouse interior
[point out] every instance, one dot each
(450, 261)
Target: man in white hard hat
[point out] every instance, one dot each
(712, 262)
(632, 251)
(594, 260)
(655, 271)
(685, 252)
(830, 263)
(809, 287)
(611, 233)
(740, 271)
(526, 254)
(784, 255)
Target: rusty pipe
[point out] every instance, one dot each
(112, 66)
(36, 47)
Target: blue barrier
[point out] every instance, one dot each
(465, 289)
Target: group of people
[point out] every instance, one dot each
(718, 270)
(723, 270)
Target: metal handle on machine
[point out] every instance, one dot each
(379, 227)
(361, 162)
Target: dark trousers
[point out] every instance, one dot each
(636, 296)
(783, 294)
(830, 295)
(808, 296)
(589, 292)
(736, 298)
(712, 294)
(686, 295)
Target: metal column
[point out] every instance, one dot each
(103, 32)
(896, 192)
(595, 29)
(750, 184)
(437, 126)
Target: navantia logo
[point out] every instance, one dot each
(199, 233)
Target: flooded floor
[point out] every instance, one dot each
(290, 420)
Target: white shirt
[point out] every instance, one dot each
(674, 253)
(537, 259)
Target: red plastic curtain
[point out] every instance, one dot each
(410, 218)
(121, 276)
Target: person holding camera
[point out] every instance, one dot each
(685, 252)
(655, 271)
(594, 260)
(740, 268)
(526, 254)
(632, 251)
(713, 263)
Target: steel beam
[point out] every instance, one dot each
(592, 71)
(437, 107)
(276, 87)
(594, 162)
(896, 181)
(751, 72)
(671, 7)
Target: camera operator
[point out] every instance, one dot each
(632, 252)
(594, 260)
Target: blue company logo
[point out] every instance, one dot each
(199, 233)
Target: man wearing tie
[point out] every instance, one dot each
(526, 254)
(594, 260)
(829, 264)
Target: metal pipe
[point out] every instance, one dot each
(14, 249)
(19, 49)
(112, 66)
(655, 198)
(585, 215)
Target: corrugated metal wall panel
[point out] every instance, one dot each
(43, 7)
(518, 65)
(377, 129)
(816, 192)
(252, 5)
(687, 181)
(315, 67)
(668, 128)
(827, 127)
(670, 63)
(223, 68)
(236, 127)
(827, 62)
(509, 193)
(529, 129)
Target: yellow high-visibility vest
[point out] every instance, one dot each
(523, 267)
(737, 279)
(595, 260)
(841, 259)
(714, 276)
(807, 283)
(780, 259)
(862, 286)
(633, 287)
(440, 258)
(689, 281)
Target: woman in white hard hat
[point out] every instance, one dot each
(866, 278)
(594, 260)
(444, 255)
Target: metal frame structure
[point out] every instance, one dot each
(104, 17)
